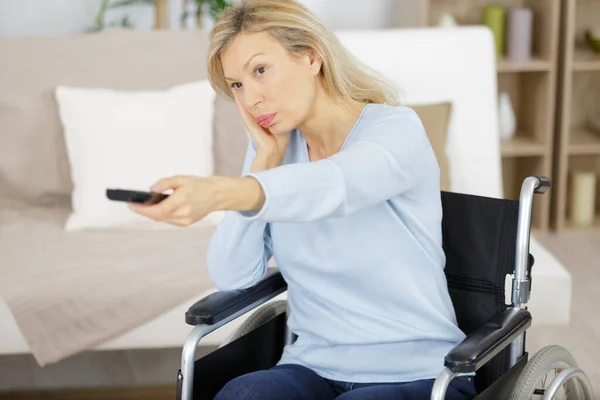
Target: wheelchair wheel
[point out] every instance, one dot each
(259, 317)
(534, 379)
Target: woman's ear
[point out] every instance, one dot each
(315, 63)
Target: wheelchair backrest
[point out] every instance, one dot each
(479, 240)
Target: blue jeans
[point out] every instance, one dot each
(294, 382)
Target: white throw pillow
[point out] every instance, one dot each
(129, 140)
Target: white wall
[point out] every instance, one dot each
(354, 14)
(66, 17)
(58, 17)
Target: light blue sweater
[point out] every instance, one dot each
(358, 239)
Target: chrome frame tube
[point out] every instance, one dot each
(520, 283)
(517, 349)
(566, 374)
(520, 290)
(441, 384)
(188, 355)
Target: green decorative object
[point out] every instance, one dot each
(494, 17)
(105, 5)
(593, 40)
(211, 7)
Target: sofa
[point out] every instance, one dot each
(66, 291)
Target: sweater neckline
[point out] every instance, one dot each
(354, 128)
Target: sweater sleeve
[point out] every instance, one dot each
(386, 157)
(240, 249)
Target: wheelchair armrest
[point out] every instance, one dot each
(220, 305)
(487, 341)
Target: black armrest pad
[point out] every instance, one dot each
(488, 340)
(220, 305)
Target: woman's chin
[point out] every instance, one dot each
(276, 129)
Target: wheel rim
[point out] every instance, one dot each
(544, 381)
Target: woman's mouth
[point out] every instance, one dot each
(265, 120)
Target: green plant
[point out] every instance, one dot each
(100, 21)
(214, 7)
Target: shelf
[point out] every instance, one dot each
(584, 141)
(521, 146)
(536, 64)
(585, 60)
(531, 86)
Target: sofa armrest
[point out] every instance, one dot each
(219, 305)
(487, 341)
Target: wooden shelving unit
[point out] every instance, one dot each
(577, 144)
(534, 65)
(532, 87)
(555, 95)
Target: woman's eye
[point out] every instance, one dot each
(236, 85)
(260, 70)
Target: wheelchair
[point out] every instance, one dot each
(484, 239)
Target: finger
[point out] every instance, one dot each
(239, 105)
(185, 220)
(170, 219)
(161, 211)
(246, 116)
(180, 221)
(172, 182)
(242, 110)
(176, 218)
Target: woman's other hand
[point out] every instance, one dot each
(270, 149)
(193, 198)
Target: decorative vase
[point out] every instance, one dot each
(494, 18)
(519, 32)
(506, 117)
(447, 21)
(582, 200)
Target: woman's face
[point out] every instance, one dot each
(276, 88)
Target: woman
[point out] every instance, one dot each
(341, 186)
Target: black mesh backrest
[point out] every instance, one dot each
(479, 239)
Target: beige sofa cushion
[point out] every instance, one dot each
(231, 139)
(33, 160)
(435, 119)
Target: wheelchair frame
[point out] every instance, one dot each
(479, 347)
(521, 292)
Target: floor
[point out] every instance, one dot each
(580, 253)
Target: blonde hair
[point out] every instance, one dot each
(299, 32)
